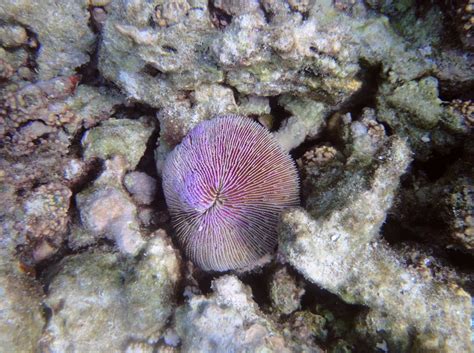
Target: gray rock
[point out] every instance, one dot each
(21, 316)
(62, 30)
(228, 320)
(101, 303)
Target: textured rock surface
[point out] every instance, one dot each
(414, 111)
(46, 218)
(123, 300)
(141, 186)
(21, 317)
(107, 210)
(39, 125)
(123, 137)
(89, 88)
(285, 292)
(94, 280)
(337, 251)
(373, 275)
(65, 39)
(239, 44)
(151, 288)
(306, 122)
(228, 320)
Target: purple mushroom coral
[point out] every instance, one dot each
(225, 186)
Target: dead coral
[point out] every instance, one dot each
(465, 108)
(46, 219)
(31, 118)
(459, 213)
(317, 156)
(462, 12)
(39, 123)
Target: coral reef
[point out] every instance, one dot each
(371, 98)
(223, 197)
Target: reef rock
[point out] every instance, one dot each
(46, 218)
(21, 316)
(227, 320)
(65, 39)
(141, 186)
(335, 246)
(151, 288)
(95, 281)
(124, 137)
(99, 302)
(414, 111)
(107, 210)
(285, 292)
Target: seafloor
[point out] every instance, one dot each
(373, 100)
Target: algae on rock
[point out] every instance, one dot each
(124, 137)
(21, 315)
(65, 39)
(338, 249)
(96, 296)
(413, 110)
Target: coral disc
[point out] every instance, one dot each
(225, 186)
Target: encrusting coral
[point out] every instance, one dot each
(225, 186)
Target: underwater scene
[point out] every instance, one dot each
(230, 176)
